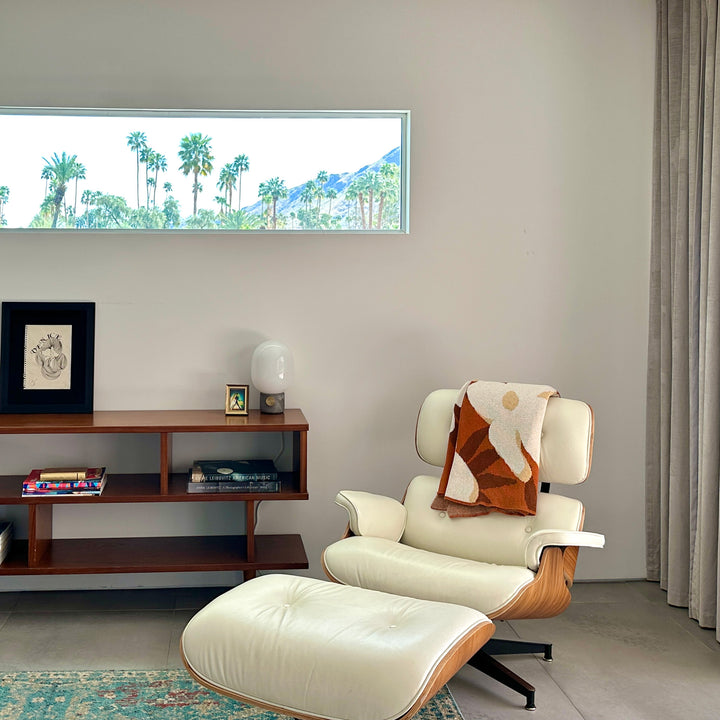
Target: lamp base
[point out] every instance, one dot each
(272, 403)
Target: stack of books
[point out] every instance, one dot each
(228, 476)
(64, 481)
(6, 530)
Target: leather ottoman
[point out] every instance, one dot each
(313, 649)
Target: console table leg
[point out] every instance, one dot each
(39, 532)
(165, 461)
(250, 529)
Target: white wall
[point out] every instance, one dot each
(527, 258)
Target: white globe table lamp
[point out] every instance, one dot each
(271, 371)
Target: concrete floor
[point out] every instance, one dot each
(621, 653)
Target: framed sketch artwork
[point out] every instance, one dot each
(47, 354)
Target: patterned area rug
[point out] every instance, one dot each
(130, 694)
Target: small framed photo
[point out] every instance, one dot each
(47, 357)
(236, 399)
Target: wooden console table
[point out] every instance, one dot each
(42, 554)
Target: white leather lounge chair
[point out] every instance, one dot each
(508, 567)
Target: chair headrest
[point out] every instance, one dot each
(565, 448)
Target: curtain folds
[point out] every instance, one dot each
(683, 392)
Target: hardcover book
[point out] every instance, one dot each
(233, 470)
(6, 533)
(31, 492)
(247, 486)
(35, 485)
(70, 474)
(77, 485)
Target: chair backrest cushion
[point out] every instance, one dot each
(492, 538)
(565, 448)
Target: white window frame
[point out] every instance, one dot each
(402, 115)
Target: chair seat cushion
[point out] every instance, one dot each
(391, 567)
(313, 649)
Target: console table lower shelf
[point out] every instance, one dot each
(158, 554)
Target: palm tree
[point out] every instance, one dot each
(308, 193)
(87, 197)
(355, 190)
(197, 187)
(226, 183)
(150, 182)
(79, 175)
(195, 153)
(240, 165)
(275, 188)
(320, 180)
(371, 181)
(222, 202)
(389, 187)
(146, 157)
(330, 194)
(137, 141)
(264, 197)
(62, 170)
(4, 196)
(351, 194)
(158, 163)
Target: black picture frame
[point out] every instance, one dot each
(38, 374)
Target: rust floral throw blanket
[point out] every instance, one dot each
(493, 450)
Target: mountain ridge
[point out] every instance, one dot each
(336, 181)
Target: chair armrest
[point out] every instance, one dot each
(373, 515)
(562, 538)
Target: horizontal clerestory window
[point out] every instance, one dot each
(220, 171)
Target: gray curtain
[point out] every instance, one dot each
(683, 394)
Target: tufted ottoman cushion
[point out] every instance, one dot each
(314, 649)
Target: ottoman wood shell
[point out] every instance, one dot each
(316, 650)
